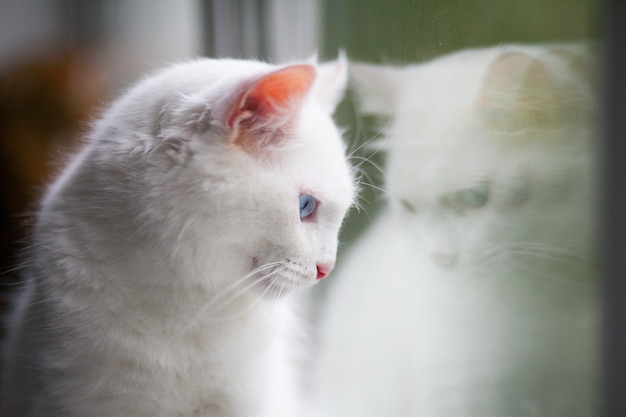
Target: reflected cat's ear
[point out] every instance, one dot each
(376, 87)
(578, 59)
(330, 85)
(263, 111)
(518, 93)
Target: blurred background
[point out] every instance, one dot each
(63, 60)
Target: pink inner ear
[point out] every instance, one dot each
(274, 93)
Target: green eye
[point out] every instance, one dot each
(475, 196)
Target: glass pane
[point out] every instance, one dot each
(470, 283)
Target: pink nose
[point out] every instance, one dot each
(323, 270)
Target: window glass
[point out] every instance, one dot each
(468, 284)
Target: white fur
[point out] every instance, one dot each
(141, 296)
(448, 309)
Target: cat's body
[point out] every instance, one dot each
(154, 286)
(477, 294)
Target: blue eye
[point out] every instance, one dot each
(307, 205)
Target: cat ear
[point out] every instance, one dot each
(376, 87)
(518, 92)
(313, 59)
(265, 108)
(578, 58)
(332, 79)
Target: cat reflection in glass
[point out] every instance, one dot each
(474, 292)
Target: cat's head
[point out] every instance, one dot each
(490, 153)
(237, 169)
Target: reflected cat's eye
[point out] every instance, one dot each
(475, 196)
(308, 203)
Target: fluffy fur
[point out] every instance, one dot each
(474, 293)
(162, 256)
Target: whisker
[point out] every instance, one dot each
(550, 248)
(245, 288)
(505, 274)
(362, 176)
(359, 207)
(554, 278)
(368, 160)
(378, 133)
(216, 302)
(356, 125)
(257, 300)
(375, 187)
(509, 254)
(542, 255)
(565, 254)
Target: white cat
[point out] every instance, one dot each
(474, 293)
(163, 254)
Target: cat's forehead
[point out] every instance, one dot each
(318, 158)
(448, 83)
(425, 165)
(423, 168)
